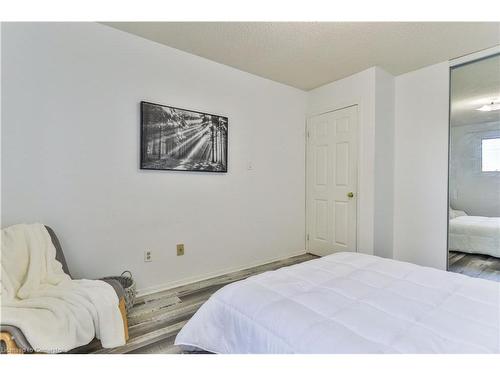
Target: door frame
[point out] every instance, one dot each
(306, 138)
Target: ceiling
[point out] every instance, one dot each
(306, 55)
(472, 86)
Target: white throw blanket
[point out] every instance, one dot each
(55, 313)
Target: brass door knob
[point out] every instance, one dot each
(350, 194)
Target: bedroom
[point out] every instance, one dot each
(225, 176)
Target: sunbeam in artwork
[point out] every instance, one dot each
(178, 139)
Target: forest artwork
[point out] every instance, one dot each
(182, 140)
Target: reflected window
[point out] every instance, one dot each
(490, 155)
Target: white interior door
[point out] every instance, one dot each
(331, 187)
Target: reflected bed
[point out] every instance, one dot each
(474, 234)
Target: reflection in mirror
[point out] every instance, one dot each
(474, 169)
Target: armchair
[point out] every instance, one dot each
(12, 339)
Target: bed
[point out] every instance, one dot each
(474, 234)
(349, 303)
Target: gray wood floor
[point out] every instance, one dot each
(155, 319)
(475, 265)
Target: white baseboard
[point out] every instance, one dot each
(194, 279)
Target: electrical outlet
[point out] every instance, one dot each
(148, 256)
(180, 249)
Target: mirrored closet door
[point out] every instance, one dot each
(474, 169)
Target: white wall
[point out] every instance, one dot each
(421, 166)
(383, 227)
(472, 190)
(70, 155)
(373, 91)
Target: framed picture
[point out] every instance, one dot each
(182, 140)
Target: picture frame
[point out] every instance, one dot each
(177, 139)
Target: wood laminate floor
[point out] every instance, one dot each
(155, 319)
(475, 265)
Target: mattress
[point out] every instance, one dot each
(349, 303)
(475, 234)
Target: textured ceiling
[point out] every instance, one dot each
(309, 54)
(472, 86)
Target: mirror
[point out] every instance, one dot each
(474, 169)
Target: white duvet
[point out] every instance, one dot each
(475, 234)
(54, 312)
(349, 303)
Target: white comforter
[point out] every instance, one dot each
(475, 234)
(54, 312)
(350, 303)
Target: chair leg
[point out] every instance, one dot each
(11, 345)
(123, 310)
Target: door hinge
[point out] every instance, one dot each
(308, 134)
(307, 237)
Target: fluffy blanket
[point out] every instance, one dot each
(55, 313)
(349, 303)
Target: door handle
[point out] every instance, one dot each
(350, 194)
